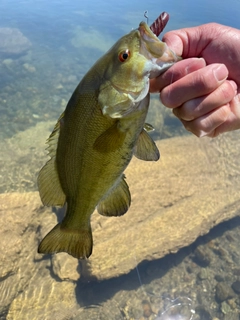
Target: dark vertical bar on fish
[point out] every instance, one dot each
(159, 24)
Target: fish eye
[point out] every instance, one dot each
(124, 55)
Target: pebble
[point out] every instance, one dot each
(203, 274)
(29, 67)
(203, 313)
(223, 292)
(7, 62)
(236, 286)
(219, 278)
(231, 316)
(59, 87)
(225, 308)
(202, 257)
(236, 271)
(65, 267)
(70, 79)
(63, 103)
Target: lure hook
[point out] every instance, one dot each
(146, 15)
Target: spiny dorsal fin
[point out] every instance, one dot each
(117, 201)
(145, 148)
(49, 186)
(52, 141)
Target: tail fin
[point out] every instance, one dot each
(78, 243)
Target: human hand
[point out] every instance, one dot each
(203, 92)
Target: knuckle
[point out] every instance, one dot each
(167, 98)
(206, 83)
(214, 119)
(227, 92)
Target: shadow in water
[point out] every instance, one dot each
(95, 293)
(201, 253)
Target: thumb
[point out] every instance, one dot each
(194, 41)
(174, 41)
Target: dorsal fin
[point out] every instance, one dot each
(49, 186)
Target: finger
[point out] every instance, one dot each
(175, 40)
(207, 124)
(198, 107)
(193, 85)
(176, 72)
(233, 120)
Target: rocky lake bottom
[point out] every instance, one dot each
(155, 266)
(175, 255)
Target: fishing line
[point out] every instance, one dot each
(139, 278)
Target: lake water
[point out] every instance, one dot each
(201, 281)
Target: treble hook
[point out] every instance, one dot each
(146, 15)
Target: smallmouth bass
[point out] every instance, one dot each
(102, 127)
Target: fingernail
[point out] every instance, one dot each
(220, 72)
(192, 64)
(201, 59)
(175, 112)
(196, 59)
(202, 134)
(234, 85)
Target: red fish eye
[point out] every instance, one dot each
(124, 55)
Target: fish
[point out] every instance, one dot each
(96, 136)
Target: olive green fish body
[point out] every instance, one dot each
(105, 150)
(96, 137)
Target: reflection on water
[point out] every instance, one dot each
(178, 309)
(64, 39)
(178, 286)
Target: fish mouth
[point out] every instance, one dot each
(155, 50)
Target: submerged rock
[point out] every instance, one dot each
(28, 67)
(223, 292)
(236, 286)
(202, 257)
(13, 42)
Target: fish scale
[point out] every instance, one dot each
(95, 138)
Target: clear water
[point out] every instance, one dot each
(67, 37)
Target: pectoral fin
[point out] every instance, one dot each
(117, 201)
(110, 140)
(148, 127)
(49, 186)
(145, 148)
